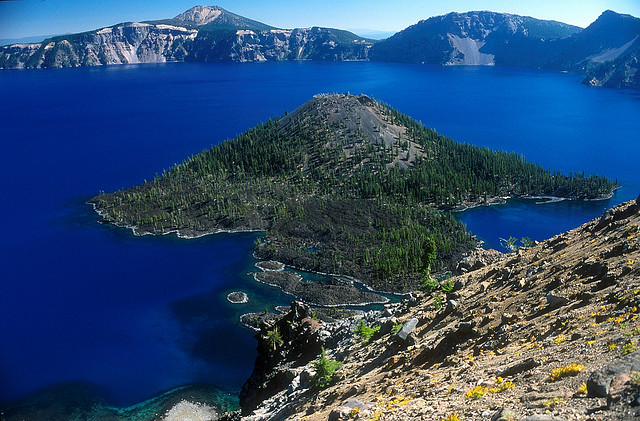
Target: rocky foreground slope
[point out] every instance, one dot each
(546, 333)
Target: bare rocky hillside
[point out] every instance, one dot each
(546, 333)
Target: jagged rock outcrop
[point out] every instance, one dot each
(477, 259)
(550, 332)
(283, 345)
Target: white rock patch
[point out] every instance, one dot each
(189, 411)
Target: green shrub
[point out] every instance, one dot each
(447, 286)
(366, 332)
(428, 284)
(325, 368)
(437, 303)
(273, 338)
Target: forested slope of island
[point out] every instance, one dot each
(343, 184)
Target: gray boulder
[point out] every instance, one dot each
(599, 382)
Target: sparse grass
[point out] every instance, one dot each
(566, 371)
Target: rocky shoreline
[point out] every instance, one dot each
(329, 292)
(501, 200)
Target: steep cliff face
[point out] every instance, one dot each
(623, 72)
(606, 52)
(120, 44)
(610, 37)
(615, 60)
(473, 38)
(279, 44)
(199, 34)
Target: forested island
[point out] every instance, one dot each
(344, 184)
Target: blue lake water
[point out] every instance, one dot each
(137, 316)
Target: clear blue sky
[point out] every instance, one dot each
(22, 18)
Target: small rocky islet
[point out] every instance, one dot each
(238, 297)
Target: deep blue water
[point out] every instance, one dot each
(137, 316)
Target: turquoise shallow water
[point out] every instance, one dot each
(137, 316)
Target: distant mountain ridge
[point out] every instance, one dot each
(472, 38)
(606, 52)
(202, 33)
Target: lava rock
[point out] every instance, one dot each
(599, 382)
